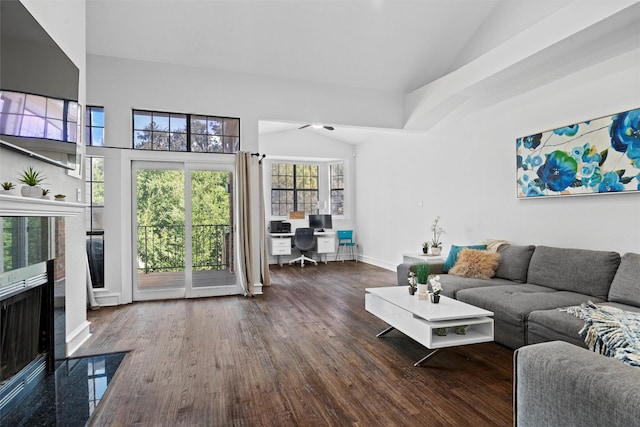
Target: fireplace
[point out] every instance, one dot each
(27, 311)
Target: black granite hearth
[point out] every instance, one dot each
(69, 396)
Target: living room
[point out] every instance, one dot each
(445, 147)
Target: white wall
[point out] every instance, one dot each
(122, 85)
(464, 171)
(65, 23)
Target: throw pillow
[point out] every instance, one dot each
(453, 255)
(476, 263)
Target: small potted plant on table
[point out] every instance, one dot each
(425, 248)
(422, 276)
(436, 244)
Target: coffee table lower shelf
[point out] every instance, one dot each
(480, 329)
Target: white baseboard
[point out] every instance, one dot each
(78, 337)
(108, 300)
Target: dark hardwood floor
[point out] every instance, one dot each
(304, 353)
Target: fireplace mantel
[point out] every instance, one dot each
(28, 206)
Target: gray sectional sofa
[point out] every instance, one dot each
(532, 282)
(557, 381)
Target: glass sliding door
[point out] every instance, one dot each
(183, 235)
(212, 247)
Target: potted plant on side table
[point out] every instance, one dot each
(31, 178)
(436, 244)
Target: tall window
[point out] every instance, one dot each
(94, 126)
(185, 132)
(95, 229)
(294, 188)
(337, 188)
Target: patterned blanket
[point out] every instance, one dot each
(610, 331)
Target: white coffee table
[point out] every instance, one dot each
(419, 319)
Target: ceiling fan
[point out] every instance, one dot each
(317, 127)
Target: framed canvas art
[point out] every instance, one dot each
(600, 156)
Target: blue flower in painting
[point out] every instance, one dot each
(577, 153)
(567, 130)
(594, 180)
(624, 129)
(559, 171)
(533, 141)
(536, 161)
(633, 149)
(591, 154)
(588, 169)
(610, 183)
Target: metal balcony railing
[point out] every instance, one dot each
(161, 248)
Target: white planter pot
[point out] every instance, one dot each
(12, 192)
(435, 251)
(34, 191)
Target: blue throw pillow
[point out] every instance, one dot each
(453, 255)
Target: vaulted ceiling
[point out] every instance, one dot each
(388, 45)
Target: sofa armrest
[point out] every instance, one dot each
(560, 384)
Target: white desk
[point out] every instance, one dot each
(280, 244)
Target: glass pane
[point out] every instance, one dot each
(178, 141)
(231, 144)
(142, 140)
(53, 129)
(211, 221)
(198, 143)
(97, 169)
(141, 120)
(73, 112)
(161, 121)
(214, 126)
(36, 105)
(97, 116)
(199, 125)
(97, 137)
(32, 126)
(214, 144)
(98, 193)
(178, 123)
(55, 108)
(160, 226)
(231, 127)
(12, 102)
(72, 132)
(161, 141)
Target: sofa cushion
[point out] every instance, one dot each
(513, 303)
(625, 288)
(451, 284)
(453, 255)
(475, 263)
(577, 270)
(514, 263)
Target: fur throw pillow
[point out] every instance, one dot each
(476, 263)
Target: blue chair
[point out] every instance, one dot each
(345, 240)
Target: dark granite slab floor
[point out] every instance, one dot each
(69, 396)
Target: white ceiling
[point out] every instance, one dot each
(389, 45)
(386, 45)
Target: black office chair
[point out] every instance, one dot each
(304, 241)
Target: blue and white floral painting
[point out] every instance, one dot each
(595, 157)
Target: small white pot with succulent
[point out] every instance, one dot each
(31, 178)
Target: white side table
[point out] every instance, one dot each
(429, 259)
